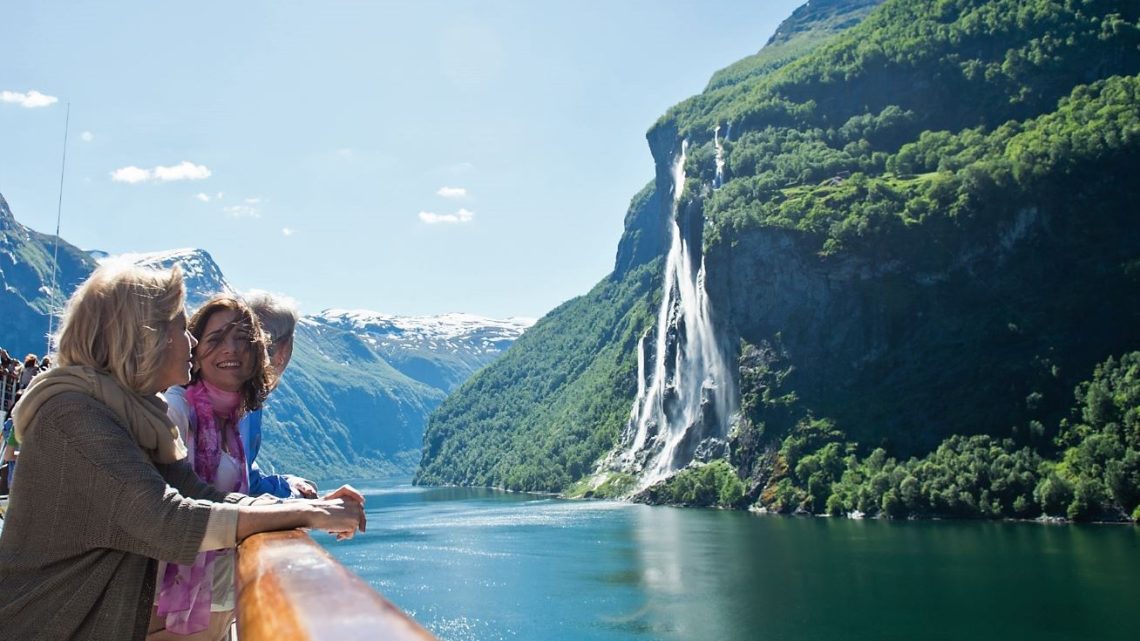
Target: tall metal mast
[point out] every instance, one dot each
(52, 306)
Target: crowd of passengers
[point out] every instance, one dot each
(14, 377)
(137, 473)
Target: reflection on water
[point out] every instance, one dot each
(479, 564)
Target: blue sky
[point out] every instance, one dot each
(409, 158)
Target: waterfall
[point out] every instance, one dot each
(718, 181)
(687, 399)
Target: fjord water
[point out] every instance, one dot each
(482, 565)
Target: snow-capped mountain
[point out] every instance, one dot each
(202, 275)
(451, 332)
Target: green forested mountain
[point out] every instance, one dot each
(920, 242)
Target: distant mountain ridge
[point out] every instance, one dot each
(361, 384)
(441, 351)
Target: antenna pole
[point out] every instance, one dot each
(58, 216)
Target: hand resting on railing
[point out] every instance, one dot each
(340, 512)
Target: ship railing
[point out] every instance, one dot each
(291, 589)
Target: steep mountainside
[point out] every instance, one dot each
(25, 283)
(912, 239)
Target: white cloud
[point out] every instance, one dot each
(131, 175)
(203, 197)
(184, 170)
(242, 211)
(87, 136)
(452, 192)
(344, 153)
(285, 231)
(253, 201)
(29, 100)
(461, 216)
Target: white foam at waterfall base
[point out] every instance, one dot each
(698, 366)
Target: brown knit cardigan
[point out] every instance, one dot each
(89, 515)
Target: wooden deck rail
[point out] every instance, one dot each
(291, 589)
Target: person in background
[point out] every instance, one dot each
(9, 380)
(11, 447)
(30, 370)
(278, 318)
(9, 456)
(45, 364)
(105, 484)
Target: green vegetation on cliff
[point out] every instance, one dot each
(925, 240)
(1097, 476)
(539, 417)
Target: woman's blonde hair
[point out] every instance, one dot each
(117, 321)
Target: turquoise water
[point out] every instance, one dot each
(482, 565)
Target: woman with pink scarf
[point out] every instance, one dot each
(230, 377)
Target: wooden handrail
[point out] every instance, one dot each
(291, 589)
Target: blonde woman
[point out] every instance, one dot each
(105, 484)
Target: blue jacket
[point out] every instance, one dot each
(275, 484)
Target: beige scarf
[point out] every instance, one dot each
(144, 415)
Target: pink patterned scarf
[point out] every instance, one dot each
(187, 590)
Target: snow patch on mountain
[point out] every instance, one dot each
(202, 275)
(451, 332)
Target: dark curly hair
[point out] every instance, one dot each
(261, 381)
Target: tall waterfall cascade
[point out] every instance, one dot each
(686, 394)
(718, 181)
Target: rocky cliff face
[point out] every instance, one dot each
(26, 296)
(902, 357)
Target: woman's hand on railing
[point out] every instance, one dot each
(345, 504)
(340, 512)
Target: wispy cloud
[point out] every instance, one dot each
(285, 231)
(184, 170)
(452, 192)
(243, 211)
(203, 197)
(461, 216)
(344, 152)
(87, 136)
(29, 100)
